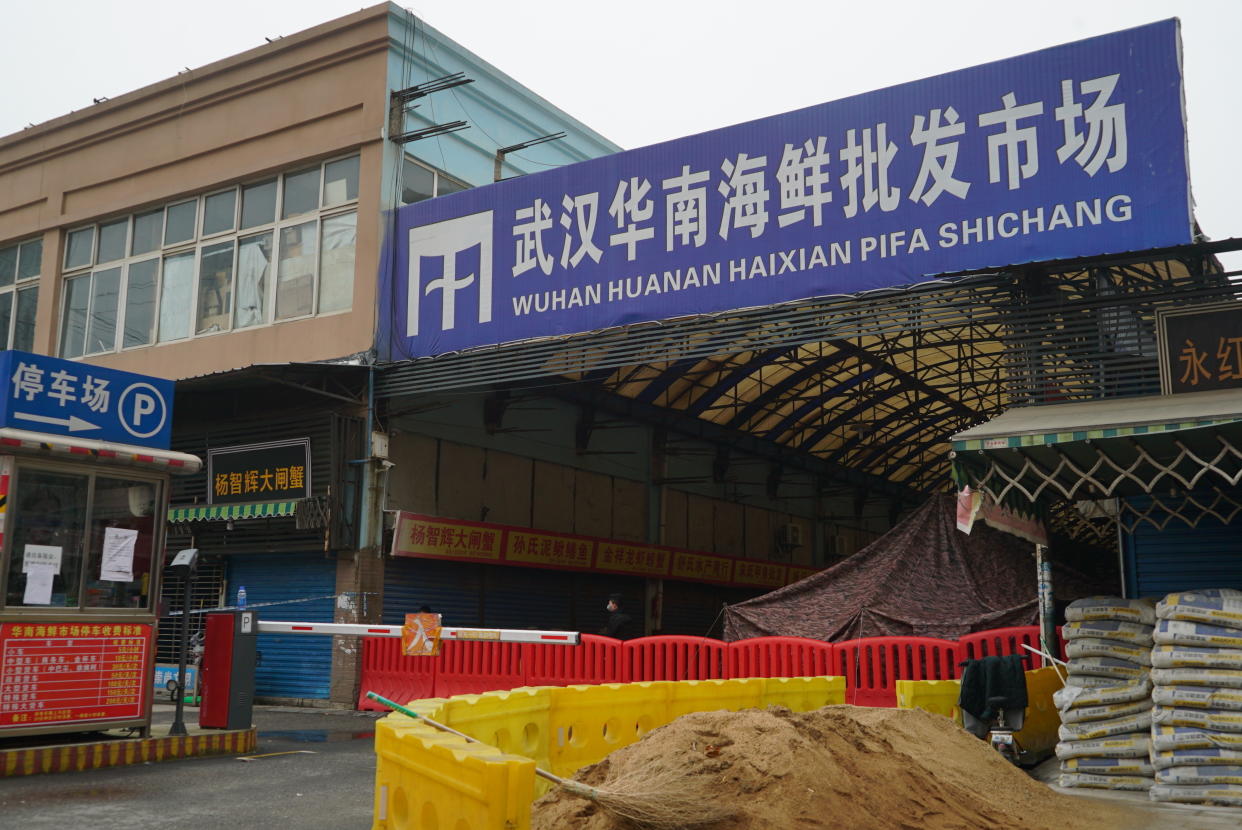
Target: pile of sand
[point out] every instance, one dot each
(838, 767)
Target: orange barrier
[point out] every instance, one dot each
(672, 658)
(1001, 641)
(871, 667)
(778, 657)
(595, 659)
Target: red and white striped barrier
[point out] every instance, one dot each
(495, 635)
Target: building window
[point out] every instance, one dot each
(250, 255)
(19, 293)
(419, 182)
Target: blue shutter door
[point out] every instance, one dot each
(451, 589)
(291, 665)
(1181, 558)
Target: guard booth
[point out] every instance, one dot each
(84, 475)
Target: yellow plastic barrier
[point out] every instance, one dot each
(939, 696)
(589, 722)
(803, 694)
(430, 780)
(1039, 729)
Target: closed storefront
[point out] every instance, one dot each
(298, 587)
(1178, 557)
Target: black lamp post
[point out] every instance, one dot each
(183, 565)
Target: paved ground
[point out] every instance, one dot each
(315, 771)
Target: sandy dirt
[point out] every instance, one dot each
(837, 767)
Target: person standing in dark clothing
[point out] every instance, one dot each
(618, 621)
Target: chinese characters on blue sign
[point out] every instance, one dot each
(63, 397)
(1073, 151)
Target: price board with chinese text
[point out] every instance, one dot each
(66, 673)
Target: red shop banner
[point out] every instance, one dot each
(433, 537)
(52, 673)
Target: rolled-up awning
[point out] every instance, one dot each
(1101, 449)
(224, 512)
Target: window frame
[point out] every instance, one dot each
(158, 535)
(195, 246)
(19, 287)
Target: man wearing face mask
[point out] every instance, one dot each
(618, 621)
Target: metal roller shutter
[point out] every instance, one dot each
(451, 589)
(302, 588)
(527, 598)
(1181, 558)
(694, 608)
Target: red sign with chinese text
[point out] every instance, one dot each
(433, 537)
(54, 673)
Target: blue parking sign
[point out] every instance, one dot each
(65, 397)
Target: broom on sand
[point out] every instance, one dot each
(646, 800)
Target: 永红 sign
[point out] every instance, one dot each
(1200, 347)
(65, 397)
(1074, 151)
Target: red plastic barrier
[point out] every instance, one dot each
(672, 657)
(471, 667)
(873, 666)
(1001, 641)
(778, 657)
(595, 659)
(386, 671)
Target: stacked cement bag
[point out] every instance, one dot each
(1197, 719)
(1105, 734)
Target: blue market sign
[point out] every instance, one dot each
(64, 397)
(1074, 151)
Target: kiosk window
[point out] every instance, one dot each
(122, 534)
(45, 565)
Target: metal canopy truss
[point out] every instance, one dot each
(873, 383)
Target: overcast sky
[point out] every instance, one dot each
(644, 71)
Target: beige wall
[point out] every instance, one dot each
(317, 94)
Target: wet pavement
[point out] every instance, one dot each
(313, 769)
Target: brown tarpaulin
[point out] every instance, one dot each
(923, 578)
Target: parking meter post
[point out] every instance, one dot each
(184, 565)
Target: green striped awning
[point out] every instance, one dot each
(223, 512)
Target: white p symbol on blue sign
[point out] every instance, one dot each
(142, 410)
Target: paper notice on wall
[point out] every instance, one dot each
(39, 584)
(41, 555)
(117, 564)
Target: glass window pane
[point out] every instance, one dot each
(148, 228)
(176, 297)
(417, 183)
(336, 263)
(6, 317)
(78, 248)
(340, 181)
(24, 328)
(179, 222)
(8, 265)
(218, 212)
(254, 261)
(301, 193)
(258, 204)
(101, 327)
(445, 186)
(215, 288)
(140, 302)
(31, 259)
(112, 241)
(122, 522)
(51, 509)
(73, 326)
(295, 273)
